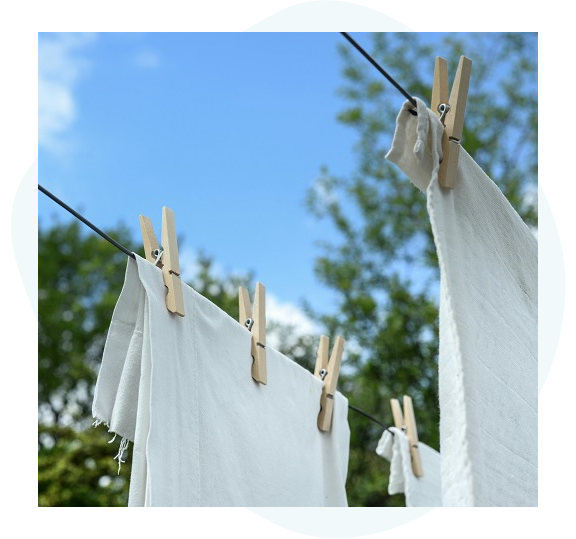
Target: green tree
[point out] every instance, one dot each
(79, 279)
(384, 269)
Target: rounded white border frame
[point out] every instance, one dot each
(332, 522)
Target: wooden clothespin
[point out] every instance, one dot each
(451, 113)
(256, 323)
(408, 422)
(167, 259)
(328, 371)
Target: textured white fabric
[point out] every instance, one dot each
(422, 491)
(204, 433)
(488, 364)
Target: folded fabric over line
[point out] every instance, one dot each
(423, 491)
(204, 433)
(488, 361)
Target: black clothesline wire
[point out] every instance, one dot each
(131, 255)
(85, 221)
(368, 416)
(380, 69)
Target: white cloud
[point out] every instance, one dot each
(60, 67)
(284, 313)
(287, 314)
(325, 196)
(189, 266)
(147, 59)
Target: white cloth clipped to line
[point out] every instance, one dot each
(204, 433)
(488, 361)
(423, 491)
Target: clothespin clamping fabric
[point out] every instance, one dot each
(451, 113)
(256, 323)
(328, 371)
(166, 259)
(408, 423)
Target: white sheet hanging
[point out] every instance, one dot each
(488, 364)
(204, 433)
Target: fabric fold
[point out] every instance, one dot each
(204, 433)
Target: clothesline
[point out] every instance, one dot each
(85, 221)
(381, 70)
(131, 255)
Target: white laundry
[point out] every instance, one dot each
(204, 433)
(488, 364)
(423, 491)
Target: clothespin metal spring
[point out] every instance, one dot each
(158, 255)
(443, 109)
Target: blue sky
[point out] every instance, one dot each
(229, 130)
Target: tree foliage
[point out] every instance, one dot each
(384, 269)
(79, 279)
